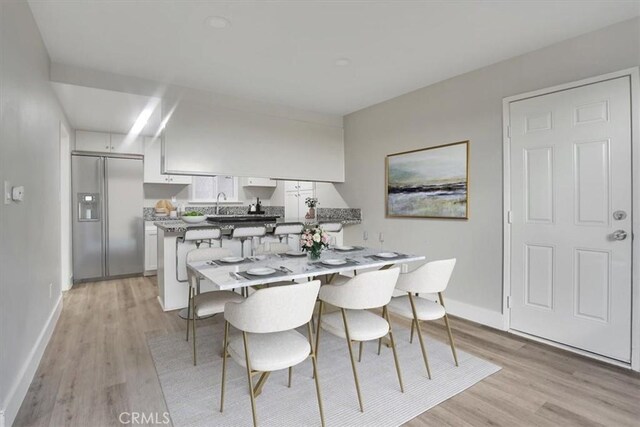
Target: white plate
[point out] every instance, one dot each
(232, 259)
(334, 261)
(263, 271)
(296, 253)
(387, 255)
(343, 248)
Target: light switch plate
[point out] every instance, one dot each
(7, 193)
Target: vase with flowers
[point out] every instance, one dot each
(314, 240)
(311, 203)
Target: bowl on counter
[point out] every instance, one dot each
(193, 219)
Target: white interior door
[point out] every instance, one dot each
(571, 217)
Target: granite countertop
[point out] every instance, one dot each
(177, 225)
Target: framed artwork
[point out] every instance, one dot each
(429, 183)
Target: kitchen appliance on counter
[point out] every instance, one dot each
(108, 228)
(256, 208)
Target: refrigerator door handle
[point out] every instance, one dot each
(105, 213)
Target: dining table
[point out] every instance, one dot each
(253, 271)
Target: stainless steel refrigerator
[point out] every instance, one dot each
(108, 227)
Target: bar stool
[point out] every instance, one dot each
(245, 232)
(193, 238)
(331, 226)
(286, 229)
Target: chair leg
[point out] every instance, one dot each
(385, 314)
(413, 328)
(248, 363)
(318, 328)
(379, 345)
(193, 325)
(188, 311)
(446, 322)
(424, 350)
(224, 363)
(360, 351)
(290, 374)
(315, 373)
(353, 363)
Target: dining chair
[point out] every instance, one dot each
(354, 322)
(206, 303)
(431, 278)
(269, 342)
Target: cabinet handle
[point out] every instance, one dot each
(106, 147)
(112, 147)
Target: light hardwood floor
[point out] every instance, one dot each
(97, 365)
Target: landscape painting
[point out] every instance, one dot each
(429, 183)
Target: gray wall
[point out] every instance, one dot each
(466, 107)
(29, 231)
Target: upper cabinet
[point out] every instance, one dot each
(103, 142)
(258, 182)
(126, 145)
(296, 186)
(153, 165)
(93, 141)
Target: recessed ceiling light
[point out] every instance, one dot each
(217, 22)
(343, 62)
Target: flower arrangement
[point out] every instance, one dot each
(311, 202)
(314, 240)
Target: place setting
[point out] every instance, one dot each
(230, 260)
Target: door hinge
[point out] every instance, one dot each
(508, 302)
(509, 217)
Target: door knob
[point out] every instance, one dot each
(619, 235)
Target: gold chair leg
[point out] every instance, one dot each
(360, 351)
(379, 345)
(318, 328)
(353, 363)
(224, 364)
(385, 314)
(290, 375)
(188, 311)
(193, 325)
(248, 363)
(413, 328)
(315, 372)
(446, 322)
(424, 351)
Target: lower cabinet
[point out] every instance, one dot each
(150, 250)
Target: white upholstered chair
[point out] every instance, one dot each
(331, 227)
(354, 322)
(431, 278)
(245, 232)
(269, 342)
(206, 303)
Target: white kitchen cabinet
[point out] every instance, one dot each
(294, 206)
(153, 167)
(291, 186)
(93, 141)
(258, 182)
(150, 249)
(122, 144)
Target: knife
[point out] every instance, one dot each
(283, 268)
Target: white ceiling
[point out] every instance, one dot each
(106, 111)
(284, 52)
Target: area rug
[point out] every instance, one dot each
(192, 393)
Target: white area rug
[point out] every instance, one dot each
(192, 392)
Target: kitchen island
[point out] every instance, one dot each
(172, 272)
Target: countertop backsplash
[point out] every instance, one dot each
(345, 214)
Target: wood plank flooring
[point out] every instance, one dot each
(97, 366)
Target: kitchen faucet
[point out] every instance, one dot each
(218, 201)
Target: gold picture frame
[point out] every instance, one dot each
(430, 182)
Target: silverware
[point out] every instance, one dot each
(212, 264)
(283, 268)
(235, 275)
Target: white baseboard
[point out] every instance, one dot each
(20, 386)
(475, 314)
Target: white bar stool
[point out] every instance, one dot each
(286, 229)
(245, 232)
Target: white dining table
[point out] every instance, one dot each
(287, 268)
